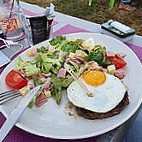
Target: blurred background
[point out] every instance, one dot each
(99, 12)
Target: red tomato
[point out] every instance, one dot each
(15, 80)
(117, 61)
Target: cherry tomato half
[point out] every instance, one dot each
(117, 61)
(15, 80)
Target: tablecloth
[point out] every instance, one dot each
(18, 135)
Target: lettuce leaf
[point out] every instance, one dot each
(31, 69)
(61, 43)
(58, 85)
(46, 67)
(37, 81)
(70, 47)
(93, 56)
(21, 64)
(57, 94)
(31, 104)
(38, 60)
(56, 91)
(66, 82)
(57, 40)
(99, 48)
(62, 56)
(42, 49)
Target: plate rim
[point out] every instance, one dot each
(27, 129)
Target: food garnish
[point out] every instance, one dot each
(15, 80)
(46, 67)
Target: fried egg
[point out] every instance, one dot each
(107, 90)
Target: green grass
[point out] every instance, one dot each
(99, 12)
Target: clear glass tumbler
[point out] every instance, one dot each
(11, 23)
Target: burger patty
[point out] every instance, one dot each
(94, 115)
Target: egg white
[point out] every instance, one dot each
(105, 97)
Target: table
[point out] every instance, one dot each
(76, 24)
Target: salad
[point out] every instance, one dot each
(47, 67)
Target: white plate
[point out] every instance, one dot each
(50, 120)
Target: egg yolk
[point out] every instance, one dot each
(94, 77)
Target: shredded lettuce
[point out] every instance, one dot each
(31, 104)
(57, 40)
(29, 67)
(57, 82)
(57, 88)
(98, 55)
(38, 60)
(99, 48)
(93, 56)
(37, 81)
(50, 60)
(31, 70)
(62, 55)
(57, 94)
(58, 85)
(66, 82)
(21, 64)
(47, 61)
(46, 67)
(73, 66)
(69, 47)
(42, 49)
(61, 43)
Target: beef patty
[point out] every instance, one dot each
(94, 115)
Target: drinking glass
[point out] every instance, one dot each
(11, 23)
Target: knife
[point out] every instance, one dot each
(17, 112)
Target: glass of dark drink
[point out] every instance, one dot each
(41, 28)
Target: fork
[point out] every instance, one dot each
(9, 95)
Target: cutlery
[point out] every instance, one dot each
(17, 112)
(80, 83)
(9, 95)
